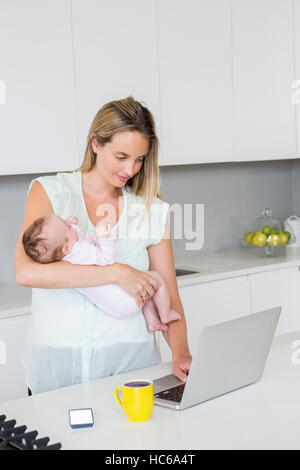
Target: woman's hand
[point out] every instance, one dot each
(139, 284)
(182, 365)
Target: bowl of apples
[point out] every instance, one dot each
(267, 232)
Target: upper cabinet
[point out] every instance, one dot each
(115, 44)
(296, 84)
(263, 73)
(38, 119)
(195, 69)
(218, 76)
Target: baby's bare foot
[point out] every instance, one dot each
(172, 315)
(156, 325)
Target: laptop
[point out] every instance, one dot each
(229, 356)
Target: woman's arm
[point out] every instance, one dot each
(161, 259)
(60, 275)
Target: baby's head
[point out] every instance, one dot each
(49, 238)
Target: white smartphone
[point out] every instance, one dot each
(81, 418)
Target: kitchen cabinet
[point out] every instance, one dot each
(192, 63)
(296, 86)
(195, 81)
(37, 121)
(115, 47)
(214, 302)
(13, 331)
(263, 72)
(278, 288)
(205, 303)
(208, 304)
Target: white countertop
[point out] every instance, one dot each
(265, 415)
(234, 263)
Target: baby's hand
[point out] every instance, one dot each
(103, 231)
(72, 220)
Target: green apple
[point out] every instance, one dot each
(259, 239)
(266, 230)
(248, 237)
(283, 239)
(274, 231)
(288, 234)
(273, 239)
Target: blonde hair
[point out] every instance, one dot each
(127, 115)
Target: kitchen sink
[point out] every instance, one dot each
(185, 272)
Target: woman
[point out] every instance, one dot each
(70, 340)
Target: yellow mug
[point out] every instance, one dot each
(138, 399)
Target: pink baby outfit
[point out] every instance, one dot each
(110, 298)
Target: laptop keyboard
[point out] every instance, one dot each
(172, 394)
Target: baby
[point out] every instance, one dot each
(52, 238)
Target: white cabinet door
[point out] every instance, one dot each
(12, 342)
(115, 56)
(296, 85)
(263, 72)
(208, 304)
(195, 81)
(38, 119)
(278, 288)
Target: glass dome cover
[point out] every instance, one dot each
(267, 220)
(266, 231)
